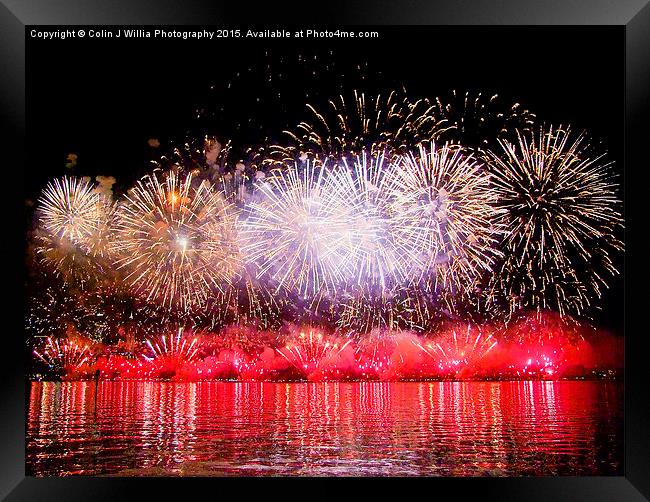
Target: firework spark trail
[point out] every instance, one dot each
(562, 218)
(177, 240)
(178, 348)
(65, 354)
(374, 352)
(202, 156)
(390, 123)
(455, 349)
(478, 120)
(208, 159)
(311, 350)
(362, 310)
(246, 301)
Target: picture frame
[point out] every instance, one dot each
(633, 16)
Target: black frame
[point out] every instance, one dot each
(634, 15)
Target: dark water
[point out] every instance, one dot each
(325, 429)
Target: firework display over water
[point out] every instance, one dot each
(320, 215)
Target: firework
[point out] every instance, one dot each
(544, 345)
(246, 301)
(176, 347)
(381, 214)
(390, 122)
(105, 312)
(390, 355)
(310, 350)
(177, 240)
(562, 219)
(529, 349)
(444, 217)
(238, 336)
(101, 244)
(64, 354)
(74, 234)
(56, 310)
(66, 259)
(209, 159)
(374, 352)
(297, 231)
(71, 208)
(205, 155)
(479, 120)
(373, 254)
(363, 310)
(458, 348)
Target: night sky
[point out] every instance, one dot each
(103, 99)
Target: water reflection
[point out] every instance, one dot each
(325, 429)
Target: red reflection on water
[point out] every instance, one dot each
(362, 428)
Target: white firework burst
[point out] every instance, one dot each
(177, 239)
